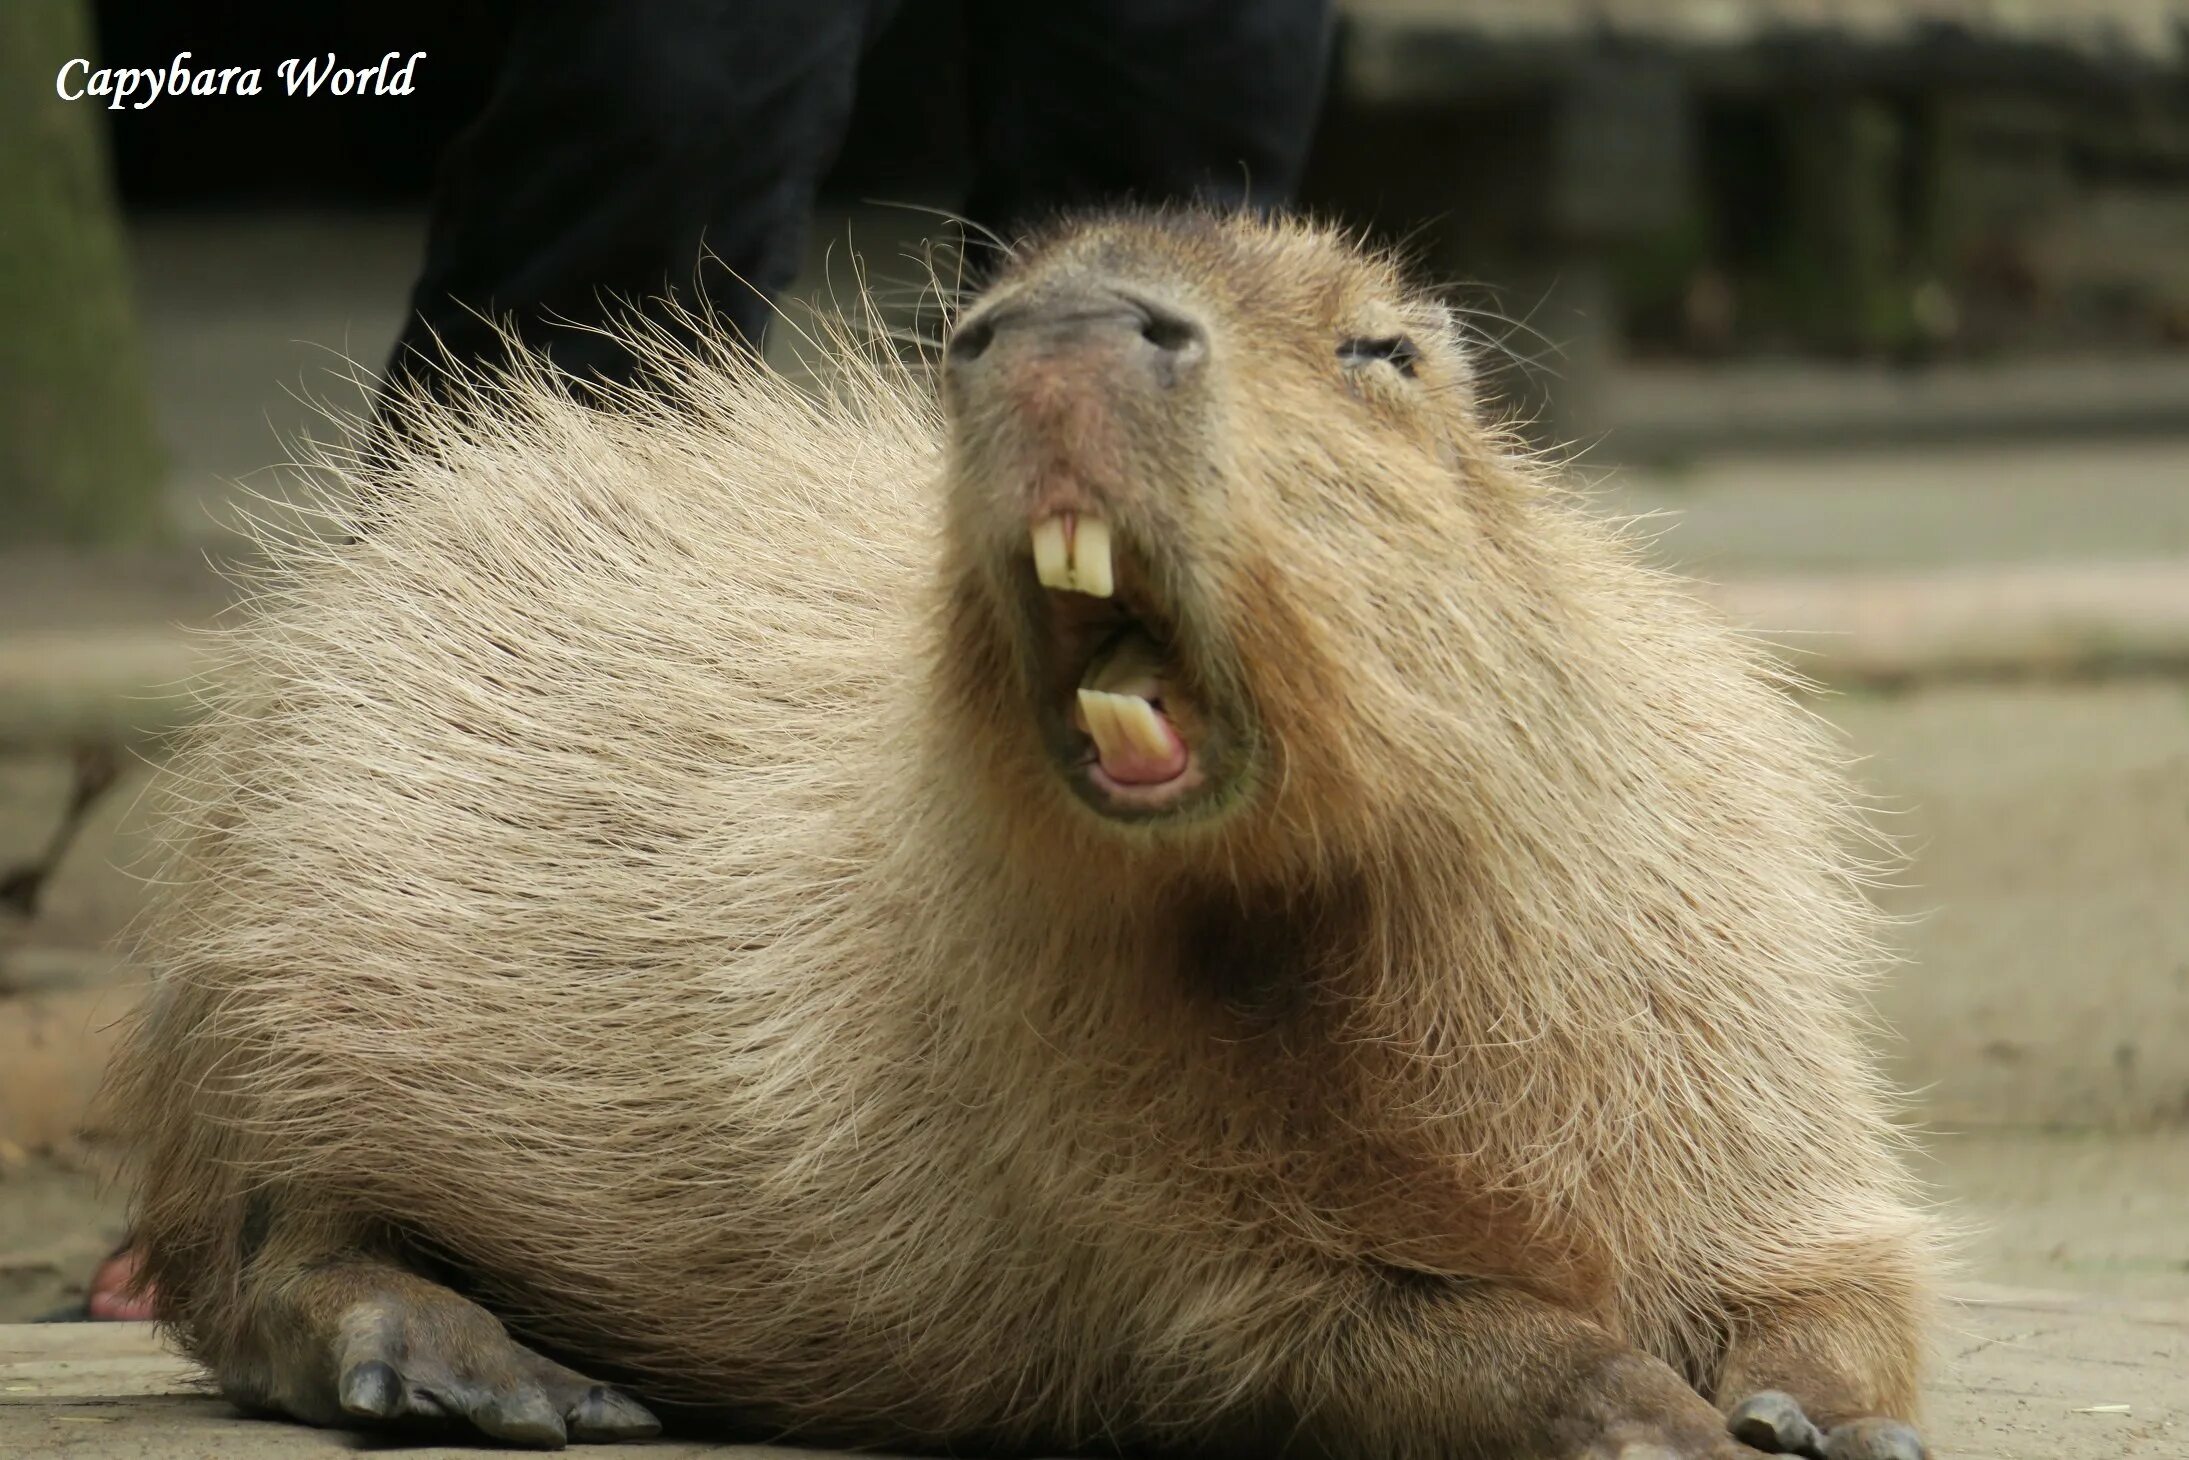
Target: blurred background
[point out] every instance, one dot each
(1881, 307)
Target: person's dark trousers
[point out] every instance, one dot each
(626, 143)
(1082, 102)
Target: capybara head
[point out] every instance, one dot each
(1218, 518)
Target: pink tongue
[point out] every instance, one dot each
(1132, 670)
(1131, 766)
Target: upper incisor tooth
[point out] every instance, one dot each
(1092, 569)
(1052, 562)
(1075, 558)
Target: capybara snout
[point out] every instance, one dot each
(1163, 340)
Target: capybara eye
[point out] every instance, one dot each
(1398, 351)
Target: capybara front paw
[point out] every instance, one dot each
(1775, 1424)
(1664, 1436)
(461, 1368)
(1636, 1408)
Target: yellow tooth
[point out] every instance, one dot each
(1100, 712)
(1052, 562)
(1091, 558)
(1119, 723)
(1078, 565)
(1137, 718)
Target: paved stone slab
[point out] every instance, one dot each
(2053, 1376)
(1981, 504)
(112, 1391)
(2031, 620)
(2023, 1376)
(1675, 408)
(69, 1361)
(121, 683)
(179, 1428)
(2047, 937)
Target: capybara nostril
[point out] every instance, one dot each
(970, 342)
(1172, 331)
(1164, 338)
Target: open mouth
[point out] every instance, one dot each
(1118, 710)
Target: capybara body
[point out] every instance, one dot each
(721, 885)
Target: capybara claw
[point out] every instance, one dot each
(373, 1390)
(541, 1411)
(1773, 1423)
(520, 1413)
(604, 1415)
(1875, 1439)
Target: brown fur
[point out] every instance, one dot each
(630, 877)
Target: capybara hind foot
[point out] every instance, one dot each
(1635, 1408)
(1775, 1423)
(1831, 1376)
(1429, 1370)
(362, 1344)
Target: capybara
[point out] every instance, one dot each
(1156, 887)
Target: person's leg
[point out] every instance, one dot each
(621, 145)
(1146, 100)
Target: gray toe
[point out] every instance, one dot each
(1775, 1424)
(1875, 1439)
(520, 1417)
(605, 1414)
(372, 1389)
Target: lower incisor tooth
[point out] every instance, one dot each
(1100, 712)
(1124, 722)
(1142, 726)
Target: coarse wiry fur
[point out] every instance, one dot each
(614, 875)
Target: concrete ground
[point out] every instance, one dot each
(2021, 1375)
(2006, 628)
